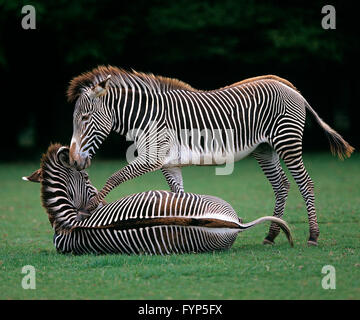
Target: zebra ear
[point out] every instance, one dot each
(34, 177)
(101, 88)
(63, 156)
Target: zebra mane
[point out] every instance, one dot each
(90, 79)
(49, 158)
(46, 160)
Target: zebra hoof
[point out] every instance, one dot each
(312, 243)
(267, 241)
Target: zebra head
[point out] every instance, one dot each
(92, 123)
(64, 190)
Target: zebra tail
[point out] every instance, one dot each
(281, 223)
(338, 145)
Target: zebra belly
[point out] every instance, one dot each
(165, 239)
(187, 156)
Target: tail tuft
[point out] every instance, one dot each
(338, 145)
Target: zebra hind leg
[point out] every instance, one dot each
(269, 162)
(291, 152)
(174, 179)
(306, 187)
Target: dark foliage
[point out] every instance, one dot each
(205, 43)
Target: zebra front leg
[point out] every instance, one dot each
(174, 179)
(139, 166)
(269, 162)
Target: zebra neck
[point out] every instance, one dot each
(133, 108)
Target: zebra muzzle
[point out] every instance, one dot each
(80, 163)
(77, 159)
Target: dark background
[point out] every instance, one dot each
(208, 44)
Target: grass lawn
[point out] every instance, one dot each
(249, 270)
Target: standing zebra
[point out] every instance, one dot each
(153, 222)
(174, 125)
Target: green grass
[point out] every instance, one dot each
(248, 270)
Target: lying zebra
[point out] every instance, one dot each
(152, 222)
